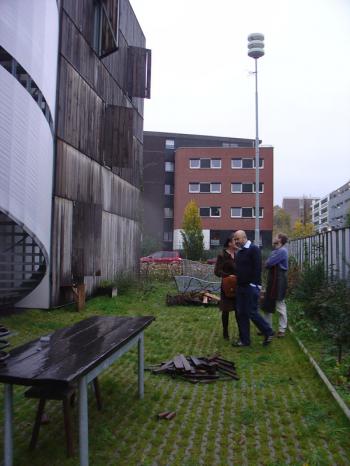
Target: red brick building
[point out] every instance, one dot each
(222, 182)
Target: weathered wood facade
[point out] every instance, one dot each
(98, 170)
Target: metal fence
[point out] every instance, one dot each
(330, 247)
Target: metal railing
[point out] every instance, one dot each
(330, 247)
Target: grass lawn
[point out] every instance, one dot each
(278, 413)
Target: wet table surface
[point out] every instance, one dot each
(70, 353)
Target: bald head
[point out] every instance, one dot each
(240, 238)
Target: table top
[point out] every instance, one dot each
(71, 352)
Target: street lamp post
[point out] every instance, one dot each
(256, 50)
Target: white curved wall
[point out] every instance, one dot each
(29, 32)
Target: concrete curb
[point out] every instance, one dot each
(323, 376)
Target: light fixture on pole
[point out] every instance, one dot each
(256, 50)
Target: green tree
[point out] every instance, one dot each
(281, 221)
(191, 233)
(301, 230)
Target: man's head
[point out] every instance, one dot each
(240, 238)
(279, 240)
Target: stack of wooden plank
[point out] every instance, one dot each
(198, 369)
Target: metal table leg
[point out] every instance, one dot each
(8, 434)
(83, 423)
(141, 365)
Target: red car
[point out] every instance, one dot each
(163, 257)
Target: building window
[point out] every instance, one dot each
(246, 212)
(169, 144)
(215, 187)
(168, 236)
(215, 211)
(229, 144)
(169, 166)
(236, 212)
(210, 211)
(194, 188)
(204, 187)
(169, 189)
(324, 200)
(205, 163)
(246, 163)
(215, 163)
(106, 27)
(246, 187)
(168, 212)
(195, 163)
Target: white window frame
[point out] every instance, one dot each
(171, 211)
(210, 212)
(204, 216)
(192, 190)
(215, 216)
(216, 160)
(235, 192)
(236, 168)
(211, 188)
(262, 212)
(169, 144)
(236, 216)
(199, 164)
(171, 164)
(170, 193)
(253, 216)
(247, 158)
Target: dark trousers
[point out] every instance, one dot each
(248, 309)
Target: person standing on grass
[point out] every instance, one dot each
(248, 268)
(277, 282)
(225, 267)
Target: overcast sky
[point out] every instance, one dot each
(201, 82)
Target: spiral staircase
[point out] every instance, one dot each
(22, 262)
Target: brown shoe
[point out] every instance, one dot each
(281, 334)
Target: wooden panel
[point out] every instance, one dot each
(81, 113)
(118, 132)
(87, 221)
(61, 246)
(120, 243)
(77, 177)
(139, 72)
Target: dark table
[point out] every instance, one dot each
(75, 354)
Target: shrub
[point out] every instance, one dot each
(312, 280)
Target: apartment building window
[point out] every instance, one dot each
(324, 201)
(245, 163)
(195, 163)
(215, 163)
(168, 236)
(246, 212)
(246, 187)
(169, 166)
(324, 210)
(169, 189)
(169, 144)
(168, 212)
(210, 211)
(205, 163)
(229, 144)
(204, 187)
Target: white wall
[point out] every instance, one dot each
(29, 32)
(178, 243)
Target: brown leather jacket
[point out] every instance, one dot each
(224, 267)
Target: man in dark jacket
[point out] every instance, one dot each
(248, 269)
